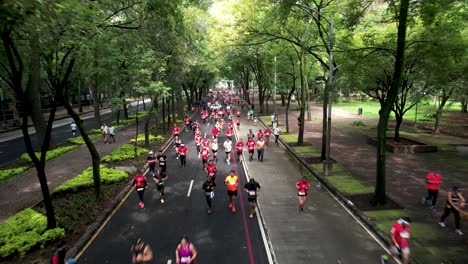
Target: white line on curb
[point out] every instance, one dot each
(190, 188)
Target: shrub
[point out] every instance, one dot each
(141, 138)
(8, 173)
(50, 154)
(85, 179)
(80, 141)
(358, 123)
(95, 131)
(125, 152)
(25, 230)
(141, 114)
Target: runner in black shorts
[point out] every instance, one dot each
(160, 180)
(252, 188)
(162, 160)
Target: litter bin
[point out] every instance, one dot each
(359, 111)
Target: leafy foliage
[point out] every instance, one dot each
(8, 173)
(80, 141)
(50, 154)
(24, 231)
(141, 138)
(85, 179)
(125, 152)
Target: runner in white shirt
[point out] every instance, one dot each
(73, 128)
(227, 148)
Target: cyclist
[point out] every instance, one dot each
(252, 188)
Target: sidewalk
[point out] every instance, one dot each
(324, 233)
(24, 190)
(405, 175)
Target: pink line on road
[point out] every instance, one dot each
(244, 219)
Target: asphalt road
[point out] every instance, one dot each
(12, 149)
(221, 237)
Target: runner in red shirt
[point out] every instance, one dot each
(229, 133)
(139, 181)
(267, 133)
(211, 169)
(175, 130)
(238, 123)
(186, 122)
(197, 132)
(239, 149)
(193, 109)
(399, 236)
(259, 134)
(214, 132)
(433, 180)
(183, 155)
(198, 142)
(205, 153)
(231, 125)
(206, 142)
(250, 147)
(302, 186)
(238, 113)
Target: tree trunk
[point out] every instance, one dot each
(302, 62)
(438, 114)
(283, 100)
(163, 108)
(33, 92)
(399, 121)
(147, 122)
(464, 106)
(80, 87)
(324, 122)
(386, 106)
(169, 120)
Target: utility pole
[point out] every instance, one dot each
(328, 161)
(274, 92)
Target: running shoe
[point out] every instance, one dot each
(459, 232)
(423, 201)
(209, 211)
(233, 209)
(251, 215)
(442, 224)
(383, 259)
(230, 205)
(162, 200)
(142, 205)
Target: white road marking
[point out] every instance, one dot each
(190, 188)
(169, 261)
(205, 135)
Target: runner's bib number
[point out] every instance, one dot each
(140, 189)
(302, 193)
(252, 193)
(162, 163)
(211, 174)
(210, 194)
(185, 259)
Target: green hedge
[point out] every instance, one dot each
(8, 173)
(79, 140)
(125, 152)
(25, 230)
(141, 114)
(141, 138)
(50, 154)
(85, 179)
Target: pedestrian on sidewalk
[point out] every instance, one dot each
(433, 180)
(104, 131)
(302, 186)
(183, 155)
(209, 186)
(260, 149)
(185, 252)
(252, 188)
(277, 133)
(111, 133)
(139, 181)
(141, 252)
(399, 240)
(73, 127)
(232, 182)
(455, 202)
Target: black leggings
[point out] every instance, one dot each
(208, 200)
(276, 139)
(140, 194)
(183, 160)
(432, 195)
(449, 209)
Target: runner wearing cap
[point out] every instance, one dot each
(302, 186)
(183, 155)
(151, 161)
(232, 182)
(399, 240)
(139, 181)
(141, 252)
(252, 188)
(209, 186)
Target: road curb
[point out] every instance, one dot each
(357, 213)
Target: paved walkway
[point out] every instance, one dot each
(24, 190)
(324, 233)
(405, 174)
